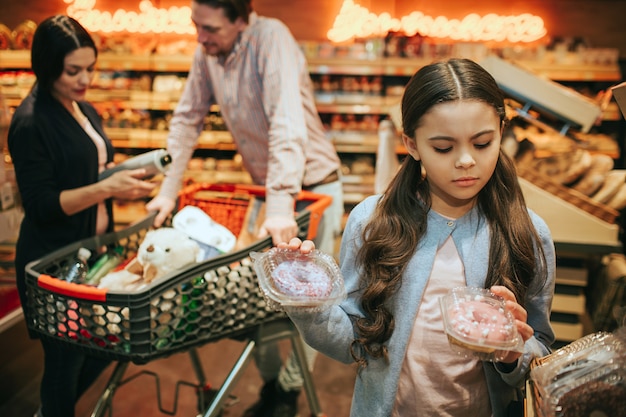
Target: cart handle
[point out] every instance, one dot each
(71, 289)
(320, 203)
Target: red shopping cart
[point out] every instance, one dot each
(209, 301)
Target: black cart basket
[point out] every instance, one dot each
(208, 301)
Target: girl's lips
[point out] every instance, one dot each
(466, 181)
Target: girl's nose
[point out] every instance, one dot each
(465, 161)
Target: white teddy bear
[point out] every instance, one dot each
(162, 251)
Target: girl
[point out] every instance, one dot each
(454, 215)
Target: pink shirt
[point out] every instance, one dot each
(265, 95)
(102, 219)
(434, 380)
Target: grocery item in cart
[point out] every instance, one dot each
(161, 252)
(77, 270)
(197, 304)
(478, 324)
(213, 238)
(292, 280)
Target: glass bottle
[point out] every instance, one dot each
(77, 270)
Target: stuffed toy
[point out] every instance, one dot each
(162, 251)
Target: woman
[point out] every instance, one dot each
(454, 215)
(58, 147)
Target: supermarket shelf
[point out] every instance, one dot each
(348, 66)
(573, 71)
(560, 215)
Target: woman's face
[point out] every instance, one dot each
(458, 143)
(78, 72)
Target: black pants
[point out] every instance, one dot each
(67, 374)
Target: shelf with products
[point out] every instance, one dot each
(352, 96)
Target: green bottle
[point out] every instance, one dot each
(105, 264)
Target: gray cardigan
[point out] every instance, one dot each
(331, 331)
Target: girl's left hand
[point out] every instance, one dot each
(296, 244)
(519, 313)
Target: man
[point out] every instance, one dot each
(252, 67)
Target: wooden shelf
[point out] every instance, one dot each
(349, 66)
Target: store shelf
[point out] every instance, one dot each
(408, 66)
(573, 71)
(127, 136)
(560, 215)
(149, 138)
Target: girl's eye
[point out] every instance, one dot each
(443, 150)
(482, 145)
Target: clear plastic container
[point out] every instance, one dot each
(586, 377)
(291, 280)
(478, 325)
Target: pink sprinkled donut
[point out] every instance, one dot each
(479, 321)
(298, 278)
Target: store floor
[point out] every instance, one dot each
(138, 396)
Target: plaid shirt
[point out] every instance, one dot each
(265, 96)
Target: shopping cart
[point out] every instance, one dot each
(209, 301)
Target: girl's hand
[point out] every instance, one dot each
(519, 313)
(296, 244)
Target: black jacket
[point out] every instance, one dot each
(51, 152)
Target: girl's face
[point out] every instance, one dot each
(77, 74)
(458, 143)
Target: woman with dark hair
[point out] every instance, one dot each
(58, 147)
(454, 215)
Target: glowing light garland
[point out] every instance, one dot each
(354, 21)
(148, 19)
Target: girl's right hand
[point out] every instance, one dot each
(296, 244)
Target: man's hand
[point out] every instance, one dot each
(282, 229)
(163, 205)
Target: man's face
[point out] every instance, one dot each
(216, 33)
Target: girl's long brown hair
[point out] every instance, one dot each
(400, 218)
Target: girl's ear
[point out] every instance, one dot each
(411, 146)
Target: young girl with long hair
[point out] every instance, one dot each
(454, 215)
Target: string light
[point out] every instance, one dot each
(149, 19)
(355, 21)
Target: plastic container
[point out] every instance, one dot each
(586, 378)
(478, 324)
(291, 280)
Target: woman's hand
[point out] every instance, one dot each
(519, 313)
(296, 244)
(128, 184)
